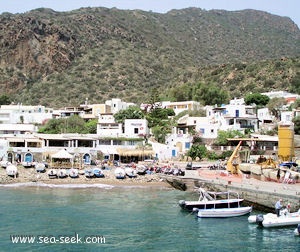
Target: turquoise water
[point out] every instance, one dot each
(128, 218)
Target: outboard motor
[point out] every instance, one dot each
(259, 219)
(182, 203)
(298, 228)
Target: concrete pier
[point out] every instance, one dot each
(261, 194)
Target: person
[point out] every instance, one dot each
(288, 207)
(278, 207)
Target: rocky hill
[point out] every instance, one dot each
(61, 58)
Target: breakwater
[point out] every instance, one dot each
(262, 195)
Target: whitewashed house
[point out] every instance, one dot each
(107, 126)
(117, 104)
(136, 128)
(13, 114)
(235, 116)
(181, 106)
(17, 128)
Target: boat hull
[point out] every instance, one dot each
(73, 173)
(52, 174)
(120, 173)
(11, 171)
(281, 222)
(272, 220)
(223, 212)
(191, 205)
(40, 167)
(98, 173)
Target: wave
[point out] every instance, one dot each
(40, 184)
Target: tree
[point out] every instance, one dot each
(224, 135)
(91, 126)
(257, 98)
(157, 115)
(4, 100)
(296, 121)
(197, 150)
(72, 124)
(160, 123)
(210, 94)
(296, 104)
(275, 106)
(133, 112)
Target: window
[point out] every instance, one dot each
(136, 130)
(187, 145)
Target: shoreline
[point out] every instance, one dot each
(29, 177)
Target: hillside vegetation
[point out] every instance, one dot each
(61, 58)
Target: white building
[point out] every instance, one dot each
(17, 128)
(136, 127)
(234, 116)
(181, 106)
(117, 104)
(289, 97)
(108, 127)
(11, 114)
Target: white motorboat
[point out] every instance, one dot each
(130, 172)
(98, 173)
(89, 173)
(12, 170)
(223, 212)
(52, 173)
(212, 200)
(73, 173)
(272, 220)
(120, 173)
(62, 173)
(27, 164)
(40, 167)
(5, 163)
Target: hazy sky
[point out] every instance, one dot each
(288, 8)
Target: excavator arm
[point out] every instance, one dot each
(233, 163)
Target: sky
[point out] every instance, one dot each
(286, 8)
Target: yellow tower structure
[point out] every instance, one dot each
(286, 148)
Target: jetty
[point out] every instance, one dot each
(261, 194)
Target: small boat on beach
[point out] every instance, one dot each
(98, 173)
(28, 161)
(130, 172)
(27, 164)
(12, 170)
(52, 173)
(141, 169)
(120, 173)
(89, 173)
(62, 173)
(5, 163)
(73, 173)
(40, 167)
(212, 200)
(272, 220)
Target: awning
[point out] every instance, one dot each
(63, 154)
(135, 152)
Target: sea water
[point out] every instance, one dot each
(123, 218)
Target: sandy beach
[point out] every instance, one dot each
(27, 175)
